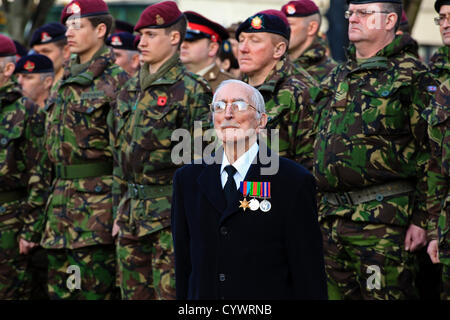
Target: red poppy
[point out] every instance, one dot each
(162, 101)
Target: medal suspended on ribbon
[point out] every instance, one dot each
(265, 205)
(255, 190)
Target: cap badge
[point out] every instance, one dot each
(256, 23)
(29, 66)
(159, 20)
(115, 41)
(45, 37)
(74, 8)
(290, 9)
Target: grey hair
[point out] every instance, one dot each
(47, 74)
(256, 98)
(8, 59)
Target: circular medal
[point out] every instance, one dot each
(265, 206)
(254, 204)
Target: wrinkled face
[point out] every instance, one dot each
(255, 51)
(53, 52)
(233, 126)
(299, 28)
(32, 85)
(154, 45)
(124, 59)
(194, 52)
(81, 35)
(366, 27)
(445, 25)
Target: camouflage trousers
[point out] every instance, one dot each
(367, 261)
(82, 274)
(14, 277)
(146, 267)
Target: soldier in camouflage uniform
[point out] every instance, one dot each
(440, 61)
(305, 47)
(79, 222)
(200, 48)
(50, 40)
(24, 179)
(438, 205)
(263, 41)
(370, 158)
(169, 98)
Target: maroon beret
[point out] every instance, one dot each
(300, 8)
(159, 15)
(84, 8)
(7, 47)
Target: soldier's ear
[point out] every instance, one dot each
(8, 70)
(175, 38)
(279, 50)
(391, 21)
(213, 49)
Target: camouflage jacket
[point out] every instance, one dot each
(369, 132)
(79, 210)
(173, 99)
(23, 168)
(438, 204)
(316, 62)
(289, 109)
(440, 64)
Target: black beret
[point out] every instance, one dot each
(20, 49)
(272, 21)
(123, 26)
(34, 63)
(121, 40)
(49, 32)
(439, 4)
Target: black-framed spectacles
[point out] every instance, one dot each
(362, 13)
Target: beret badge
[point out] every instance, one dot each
(159, 20)
(74, 8)
(256, 23)
(45, 37)
(290, 9)
(29, 66)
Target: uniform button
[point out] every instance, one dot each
(223, 231)
(221, 277)
(4, 141)
(98, 189)
(379, 197)
(2, 209)
(90, 109)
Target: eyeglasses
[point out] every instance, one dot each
(442, 17)
(362, 13)
(236, 106)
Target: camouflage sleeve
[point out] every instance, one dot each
(118, 115)
(420, 98)
(198, 110)
(302, 136)
(438, 117)
(38, 168)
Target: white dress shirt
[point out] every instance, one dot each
(241, 165)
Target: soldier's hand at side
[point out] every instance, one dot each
(115, 229)
(25, 246)
(416, 238)
(433, 251)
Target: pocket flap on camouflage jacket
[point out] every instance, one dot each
(10, 131)
(88, 106)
